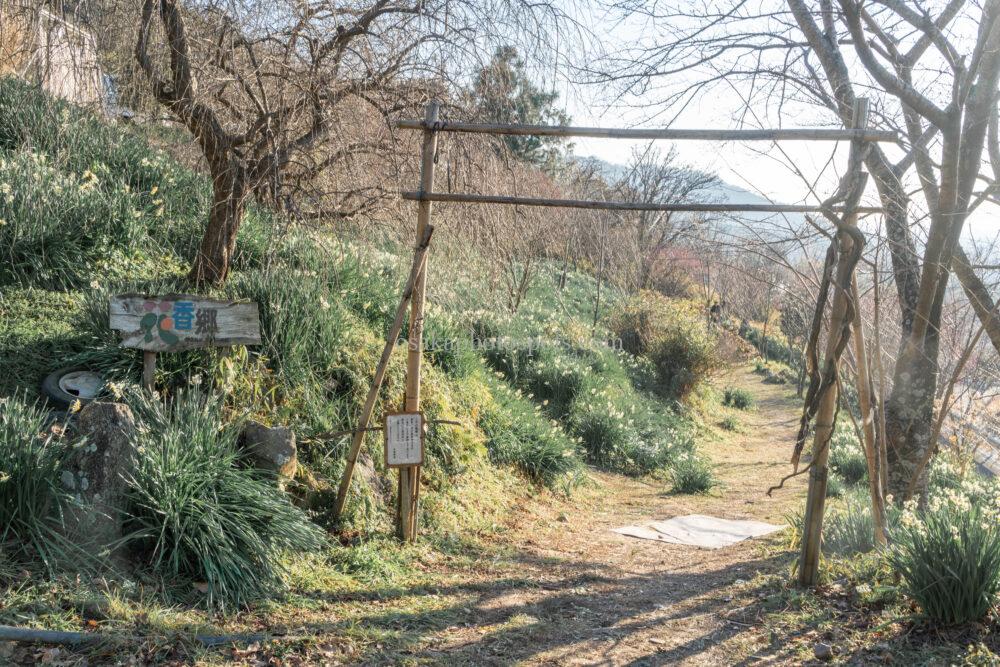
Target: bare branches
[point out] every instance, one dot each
(892, 83)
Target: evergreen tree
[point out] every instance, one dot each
(504, 93)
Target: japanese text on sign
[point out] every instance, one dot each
(404, 439)
(179, 322)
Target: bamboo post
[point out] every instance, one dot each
(390, 344)
(867, 419)
(409, 477)
(812, 525)
(600, 272)
(148, 369)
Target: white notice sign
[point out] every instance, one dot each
(404, 439)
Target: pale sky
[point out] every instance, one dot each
(755, 166)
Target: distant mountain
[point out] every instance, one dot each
(733, 226)
(723, 193)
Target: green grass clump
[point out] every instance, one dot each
(730, 423)
(32, 497)
(849, 529)
(692, 474)
(519, 435)
(591, 389)
(847, 459)
(195, 513)
(741, 399)
(37, 336)
(949, 558)
(622, 431)
(81, 200)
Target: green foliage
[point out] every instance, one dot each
(374, 561)
(505, 93)
(518, 434)
(776, 346)
(834, 487)
(588, 387)
(738, 398)
(81, 200)
(194, 512)
(949, 558)
(36, 336)
(730, 423)
(847, 459)
(692, 474)
(849, 528)
(673, 336)
(32, 497)
(774, 372)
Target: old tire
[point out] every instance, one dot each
(67, 385)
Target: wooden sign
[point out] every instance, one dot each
(404, 439)
(181, 322)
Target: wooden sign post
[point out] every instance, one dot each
(178, 322)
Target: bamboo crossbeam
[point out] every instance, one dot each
(458, 197)
(788, 134)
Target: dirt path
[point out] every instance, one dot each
(573, 593)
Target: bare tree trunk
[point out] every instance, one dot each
(909, 419)
(230, 189)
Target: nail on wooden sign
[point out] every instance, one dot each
(177, 322)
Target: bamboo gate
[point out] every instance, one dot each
(842, 209)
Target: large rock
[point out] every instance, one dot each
(94, 473)
(271, 448)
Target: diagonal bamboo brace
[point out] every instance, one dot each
(419, 257)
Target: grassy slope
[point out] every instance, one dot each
(137, 214)
(88, 210)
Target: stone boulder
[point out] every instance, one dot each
(95, 469)
(270, 448)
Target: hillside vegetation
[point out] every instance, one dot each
(88, 210)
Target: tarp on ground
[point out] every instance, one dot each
(699, 530)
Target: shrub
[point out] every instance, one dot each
(683, 356)
(691, 473)
(32, 496)
(673, 336)
(730, 423)
(194, 512)
(741, 399)
(949, 558)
